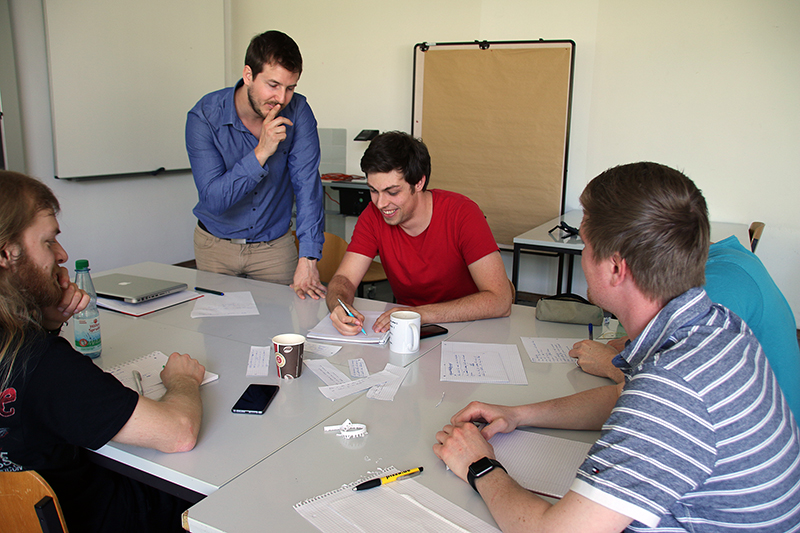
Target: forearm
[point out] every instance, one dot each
(477, 306)
(168, 425)
(513, 507)
(587, 410)
(340, 288)
(183, 399)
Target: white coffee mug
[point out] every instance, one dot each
(404, 328)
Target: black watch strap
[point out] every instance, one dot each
(480, 468)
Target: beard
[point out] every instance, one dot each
(40, 287)
(254, 105)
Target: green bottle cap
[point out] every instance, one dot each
(81, 264)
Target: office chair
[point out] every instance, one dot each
(28, 504)
(332, 253)
(756, 229)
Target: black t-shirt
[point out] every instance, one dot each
(57, 403)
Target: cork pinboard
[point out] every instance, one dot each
(495, 117)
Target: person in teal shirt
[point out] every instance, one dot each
(737, 279)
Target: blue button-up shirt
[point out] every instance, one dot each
(240, 199)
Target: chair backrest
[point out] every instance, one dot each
(756, 229)
(332, 253)
(28, 504)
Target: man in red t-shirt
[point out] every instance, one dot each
(438, 252)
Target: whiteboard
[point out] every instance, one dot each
(123, 76)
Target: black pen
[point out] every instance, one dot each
(591, 332)
(209, 291)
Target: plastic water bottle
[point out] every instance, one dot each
(87, 322)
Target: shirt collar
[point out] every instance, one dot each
(679, 312)
(229, 115)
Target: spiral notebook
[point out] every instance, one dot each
(150, 367)
(402, 506)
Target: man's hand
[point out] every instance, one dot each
(345, 324)
(306, 279)
(181, 366)
(499, 418)
(384, 322)
(595, 358)
(73, 300)
(461, 445)
(273, 132)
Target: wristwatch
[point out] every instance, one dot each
(480, 468)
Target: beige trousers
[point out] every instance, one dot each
(273, 261)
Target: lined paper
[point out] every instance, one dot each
(404, 506)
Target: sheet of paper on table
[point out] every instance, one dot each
(469, 362)
(231, 304)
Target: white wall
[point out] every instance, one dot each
(707, 87)
(111, 222)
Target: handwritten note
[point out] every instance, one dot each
(329, 374)
(325, 350)
(468, 362)
(260, 361)
(358, 368)
(386, 391)
(549, 350)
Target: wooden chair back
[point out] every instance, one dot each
(28, 504)
(332, 253)
(756, 229)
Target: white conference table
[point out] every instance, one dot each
(401, 434)
(541, 239)
(229, 444)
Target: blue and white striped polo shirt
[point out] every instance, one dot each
(701, 438)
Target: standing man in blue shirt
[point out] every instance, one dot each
(254, 148)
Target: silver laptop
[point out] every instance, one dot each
(134, 289)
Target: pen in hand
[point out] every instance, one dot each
(137, 380)
(346, 310)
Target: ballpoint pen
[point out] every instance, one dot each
(137, 380)
(377, 482)
(209, 291)
(591, 332)
(346, 310)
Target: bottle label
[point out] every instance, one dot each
(87, 335)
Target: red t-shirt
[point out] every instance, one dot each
(431, 267)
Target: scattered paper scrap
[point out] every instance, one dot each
(260, 361)
(329, 374)
(358, 368)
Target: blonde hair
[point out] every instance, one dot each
(21, 200)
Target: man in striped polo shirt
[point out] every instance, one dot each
(700, 437)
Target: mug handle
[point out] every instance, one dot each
(414, 338)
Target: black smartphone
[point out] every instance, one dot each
(431, 330)
(255, 399)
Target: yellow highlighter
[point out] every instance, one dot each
(377, 482)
